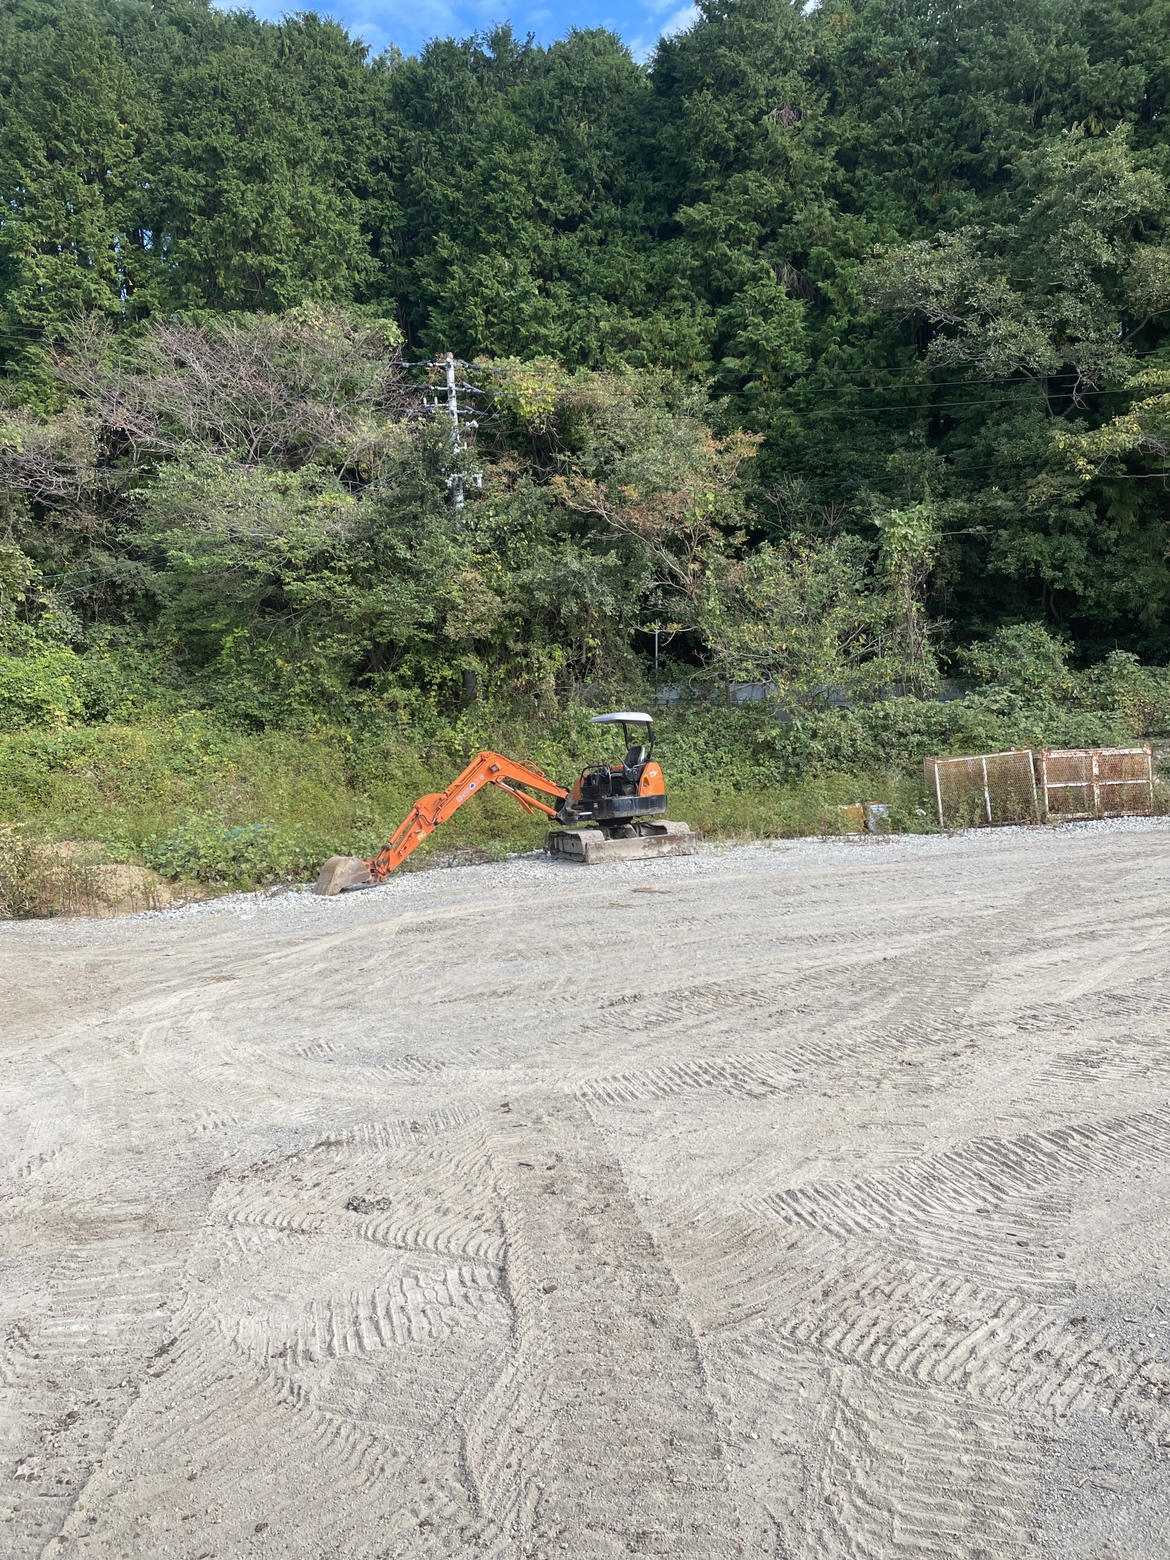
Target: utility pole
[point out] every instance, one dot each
(457, 443)
(455, 481)
(662, 636)
(469, 681)
(449, 363)
(459, 446)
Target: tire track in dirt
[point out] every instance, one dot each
(780, 1069)
(387, 1186)
(969, 1178)
(314, 1137)
(306, 1347)
(413, 1314)
(917, 1477)
(891, 1282)
(955, 967)
(750, 1076)
(920, 1207)
(417, 1307)
(222, 1433)
(427, 1187)
(1111, 1008)
(852, 1464)
(990, 1374)
(596, 1431)
(1115, 1063)
(330, 1053)
(69, 1368)
(942, 1331)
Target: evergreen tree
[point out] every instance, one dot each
(918, 250)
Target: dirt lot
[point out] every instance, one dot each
(808, 1201)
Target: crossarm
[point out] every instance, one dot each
(430, 811)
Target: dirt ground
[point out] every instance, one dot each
(807, 1201)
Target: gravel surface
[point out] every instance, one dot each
(807, 1200)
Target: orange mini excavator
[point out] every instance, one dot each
(621, 806)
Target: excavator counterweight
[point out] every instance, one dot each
(620, 803)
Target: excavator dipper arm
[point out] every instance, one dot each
(430, 811)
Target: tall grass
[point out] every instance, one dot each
(200, 801)
(39, 879)
(205, 802)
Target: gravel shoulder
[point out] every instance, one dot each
(807, 1200)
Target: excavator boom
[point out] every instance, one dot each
(430, 811)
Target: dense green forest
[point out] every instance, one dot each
(826, 352)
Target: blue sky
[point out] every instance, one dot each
(410, 23)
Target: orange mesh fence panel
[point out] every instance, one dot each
(983, 788)
(1095, 782)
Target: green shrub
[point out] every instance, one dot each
(22, 864)
(240, 856)
(1139, 695)
(899, 733)
(43, 689)
(1025, 659)
(37, 879)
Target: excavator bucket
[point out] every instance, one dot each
(342, 872)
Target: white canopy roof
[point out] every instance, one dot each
(633, 717)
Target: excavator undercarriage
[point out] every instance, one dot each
(614, 812)
(631, 842)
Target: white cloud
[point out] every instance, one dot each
(409, 26)
(686, 16)
(642, 46)
(412, 23)
(376, 23)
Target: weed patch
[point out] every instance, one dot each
(200, 802)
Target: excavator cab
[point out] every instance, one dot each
(637, 753)
(616, 811)
(613, 795)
